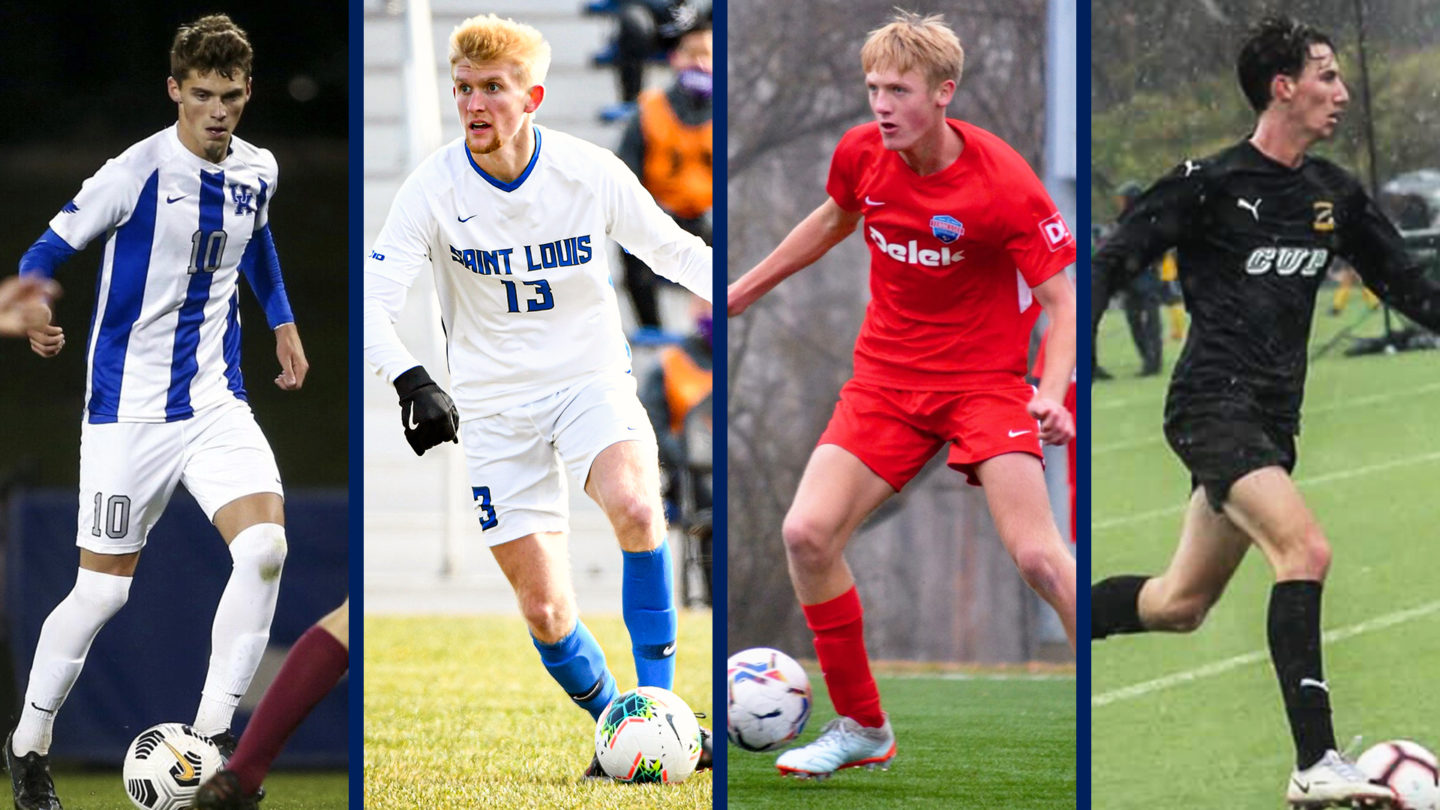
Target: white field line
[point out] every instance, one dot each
(1221, 667)
(966, 676)
(1341, 405)
(1328, 478)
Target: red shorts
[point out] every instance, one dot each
(895, 432)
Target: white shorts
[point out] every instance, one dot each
(514, 458)
(128, 470)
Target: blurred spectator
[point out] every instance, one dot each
(669, 146)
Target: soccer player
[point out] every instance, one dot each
(183, 214)
(963, 241)
(512, 218)
(312, 668)
(25, 304)
(1256, 225)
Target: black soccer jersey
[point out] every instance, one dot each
(1254, 240)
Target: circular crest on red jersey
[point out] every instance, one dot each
(946, 228)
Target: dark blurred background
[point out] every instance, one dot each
(78, 85)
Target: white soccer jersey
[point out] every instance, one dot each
(522, 269)
(165, 337)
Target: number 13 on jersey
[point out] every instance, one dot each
(542, 302)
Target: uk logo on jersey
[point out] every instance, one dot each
(946, 228)
(1055, 233)
(242, 196)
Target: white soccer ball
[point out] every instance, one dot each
(1406, 768)
(166, 764)
(769, 699)
(648, 735)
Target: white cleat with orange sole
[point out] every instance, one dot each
(843, 743)
(1336, 782)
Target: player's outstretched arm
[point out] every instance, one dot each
(823, 229)
(25, 304)
(1057, 296)
(291, 354)
(1377, 250)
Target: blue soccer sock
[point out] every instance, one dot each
(577, 663)
(649, 608)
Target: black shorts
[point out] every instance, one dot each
(1220, 449)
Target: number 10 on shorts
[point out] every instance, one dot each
(484, 509)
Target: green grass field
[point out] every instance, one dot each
(1197, 721)
(103, 790)
(963, 741)
(459, 712)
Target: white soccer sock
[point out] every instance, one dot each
(65, 640)
(242, 623)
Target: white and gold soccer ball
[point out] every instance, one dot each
(166, 764)
(768, 699)
(648, 735)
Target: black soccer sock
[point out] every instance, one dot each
(1294, 631)
(1115, 606)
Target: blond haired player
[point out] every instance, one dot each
(963, 242)
(512, 218)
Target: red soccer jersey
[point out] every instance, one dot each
(953, 256)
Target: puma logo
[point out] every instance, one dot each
(1253, 208)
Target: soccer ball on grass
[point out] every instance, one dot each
(769, 699)
(1406, 768)
(166, 764)
(648, 735)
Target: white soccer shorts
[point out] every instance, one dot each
(513, 458)
(128, 471)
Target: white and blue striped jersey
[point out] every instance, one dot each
(165, 334)
(522, 269)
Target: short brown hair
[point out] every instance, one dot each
(211, 44)
(912, 42)
(489, 38)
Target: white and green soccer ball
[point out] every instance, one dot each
(166, 764)
(648, 735)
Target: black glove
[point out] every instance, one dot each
(427, 413)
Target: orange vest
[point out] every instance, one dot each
(678, 166)
(686, 384)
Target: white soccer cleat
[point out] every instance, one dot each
(843, 743)
(1336, 782)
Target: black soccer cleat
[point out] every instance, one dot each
(30, 779)
(595, 771)
(707, 751)
(222, 792)
(226, 742)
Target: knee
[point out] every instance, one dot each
(809, 542)
(637, 518)
(260, 548)
(1307, 557)
(549, 618)
(1038, 567)
(104, 593)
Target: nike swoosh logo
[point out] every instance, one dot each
(1304, 787)
(187, 771)
(176, 199)
(414, 423)
(467, 219)
(869, 201)
(669, 650)
(38, 709)
(1304, 682)
(1015, 433)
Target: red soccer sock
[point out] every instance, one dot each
(313, 667)
(839, 630)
